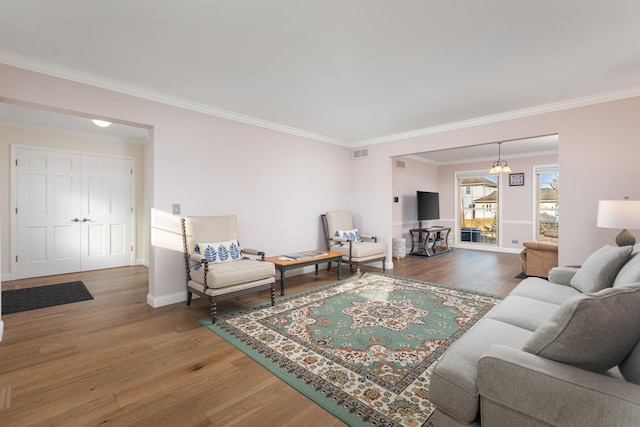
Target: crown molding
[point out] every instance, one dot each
(482, 159)
(126, 89)
(76, 133)
(510, 115)
(115, 86)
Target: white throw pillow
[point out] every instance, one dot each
(220, 251)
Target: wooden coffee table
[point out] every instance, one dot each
(289, 261)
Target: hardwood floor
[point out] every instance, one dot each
(115, 360)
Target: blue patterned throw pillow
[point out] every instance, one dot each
(352, 235)
(220, 251)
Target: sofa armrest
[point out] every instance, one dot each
(515, 386)
(562, 275)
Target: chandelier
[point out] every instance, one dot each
(500, 166)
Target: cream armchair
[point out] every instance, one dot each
(216, 267)
(356, 248)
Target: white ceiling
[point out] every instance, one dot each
(347, 72)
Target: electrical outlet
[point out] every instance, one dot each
(176, 209)
(515, 241)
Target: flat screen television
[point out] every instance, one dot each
(428, 205)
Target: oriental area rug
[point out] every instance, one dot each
(362, 348)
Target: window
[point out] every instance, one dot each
(478, 208)
(547, 200)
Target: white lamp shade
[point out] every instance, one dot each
(619, 214)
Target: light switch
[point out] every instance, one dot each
(176, 209)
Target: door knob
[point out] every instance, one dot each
(85, 219)
(75, 220)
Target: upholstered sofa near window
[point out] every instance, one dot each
(540, 256)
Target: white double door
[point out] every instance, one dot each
(73, 212)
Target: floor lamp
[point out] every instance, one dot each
(623, 214)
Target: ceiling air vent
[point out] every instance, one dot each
(400, 164)
(360, 154)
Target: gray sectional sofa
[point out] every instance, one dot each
(562, 352)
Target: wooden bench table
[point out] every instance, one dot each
(284, 262)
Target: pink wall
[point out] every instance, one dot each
(417, 175)
(517, 218)
(517, 202)
(598, 159)
(276, 183)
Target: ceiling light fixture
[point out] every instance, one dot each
(101, 123)
(500, 166)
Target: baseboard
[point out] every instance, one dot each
(1, 330)
(163, 300)
(488, 248)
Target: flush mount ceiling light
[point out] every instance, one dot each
(101, 123)
(500, 166)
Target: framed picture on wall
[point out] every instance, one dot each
(516, 179)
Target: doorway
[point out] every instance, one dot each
(73, 211)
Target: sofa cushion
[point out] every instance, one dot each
(543, 290)
(591, 331)
(629, 273)
(453, 386)
(523, 312)
(630, 367)
(600, 269)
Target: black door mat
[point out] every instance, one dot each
(16, 300)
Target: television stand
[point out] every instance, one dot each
(429, 241)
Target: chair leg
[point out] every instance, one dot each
(384, 265)
(273, 296)
(328, 266)
(214, 311)
(189, 296)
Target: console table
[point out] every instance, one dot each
(429, 241)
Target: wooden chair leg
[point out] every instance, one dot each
(328, 266)
(273, 296)
(189, 296)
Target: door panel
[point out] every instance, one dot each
(47, 185)
(106, 212)
(74, 212)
